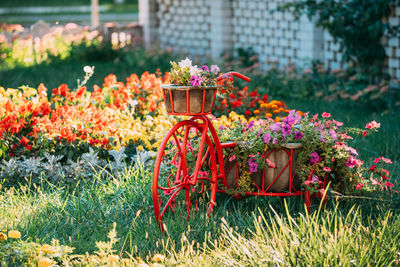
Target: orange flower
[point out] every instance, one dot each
(268, 115)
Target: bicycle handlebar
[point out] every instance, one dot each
(241, 76)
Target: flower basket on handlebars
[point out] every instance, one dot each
(189, 100)
(193, 90)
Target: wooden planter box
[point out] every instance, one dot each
(283, 178)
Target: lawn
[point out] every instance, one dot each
(257, 231)
(253, 231)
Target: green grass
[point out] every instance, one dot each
(253, 231)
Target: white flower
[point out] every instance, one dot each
(185, 63)
(133, 102)
(215, 69)
(195, 71)
(88, 69)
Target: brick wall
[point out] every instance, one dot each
(210, 27)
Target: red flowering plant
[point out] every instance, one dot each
(326, 155)
(250, 104)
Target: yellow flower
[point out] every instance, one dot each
(158, 258)
(140, 148)
(256, 111)
(277, 119)
(113, 258)
(3, 236)
(46, 248)
(45, 262)
(126, 262)
(14, 234)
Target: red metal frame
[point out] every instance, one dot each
(185, 180)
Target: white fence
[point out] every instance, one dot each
(210, 27)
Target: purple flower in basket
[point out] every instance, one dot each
(333, 134)
(274, 141)
(314, 178)
(293, 117)
(195, 80)
(205, 68)
(253, 165)
(275, 127)
(298, 135)
(250, 125)
(267, 138)
(259, 132)
(215, 69)
(286, 129)
(314, 157)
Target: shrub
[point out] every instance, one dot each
(357, 25)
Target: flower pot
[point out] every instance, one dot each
(283, 178)
(189, 100)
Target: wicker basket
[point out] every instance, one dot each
(189, 100)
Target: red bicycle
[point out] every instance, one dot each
(190, 167)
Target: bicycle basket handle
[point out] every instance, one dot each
(241, 76)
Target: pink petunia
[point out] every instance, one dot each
(326, 169)
(373, 125)
(337, 123)
(232, 158)
(352, 162)
(326, 115)
(387, 161)
(270, 164)
(314, 158)
(345, 136)
(374, 182)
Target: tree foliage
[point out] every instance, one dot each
(357, 25)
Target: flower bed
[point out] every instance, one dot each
(60, 133)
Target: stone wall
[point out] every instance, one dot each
(210, 27)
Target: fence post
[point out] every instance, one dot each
(95, 21)
(148, 20)
(221, 27)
